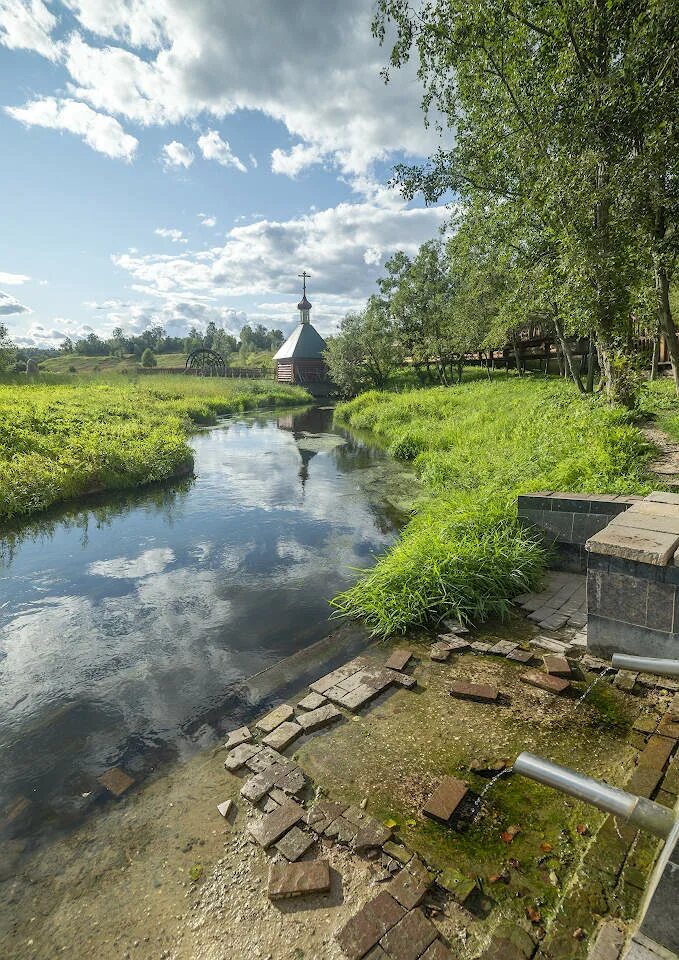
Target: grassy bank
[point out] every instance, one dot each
(476, 447)
(60, 440)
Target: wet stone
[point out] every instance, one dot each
(295, 843)
(625, 680)
(407, 889)
(357, 698)
(657, 752)
(323, 813)
(239, 756)
(274, 825)
(355, 680)
(410, 937)
(116, 781)
(503, 648)
(550, 645)
(318, 717)
(669, 727)
(298, 879)
(557, 666)
(455, 626)
(398, 660)
(478, 692)
(275, 718)
(312, 701)
(418, 869)
(236, 737)
(362, 932)
(405, 680)
(646, 723)
(479, 646)
(520, 656)
(336, 676)
(445, 800)
(673, 711)
(377, 953)
(439, 652)
(264, 758)
(545, 682)
(256, 787)
(283, 735)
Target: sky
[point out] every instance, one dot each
(182, 161)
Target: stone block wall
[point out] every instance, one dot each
(567, 521)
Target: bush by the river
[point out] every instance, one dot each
(63, 438)
(476, 447)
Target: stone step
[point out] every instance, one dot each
(298, 879)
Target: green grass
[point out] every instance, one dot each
(659, 400)
(129, 364)
(475, 448)
(62, 437)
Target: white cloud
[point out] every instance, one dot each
(27, 26)
(176, 154)
(341, 246)
(101, 132)
(176, 236)
(293, 162)
(13, 279)
(205, 220)
(314, 68)
(213, 147)
(10, 306)
(253, 161)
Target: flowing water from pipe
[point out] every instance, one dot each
(592, 686)
(491, 782)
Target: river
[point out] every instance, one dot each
(128, 625)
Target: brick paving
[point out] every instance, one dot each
(561, 603)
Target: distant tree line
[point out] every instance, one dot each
(157, 341)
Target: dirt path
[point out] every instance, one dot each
(666, 465)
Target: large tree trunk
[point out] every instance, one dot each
(655, 356)
(662, 284)
(568, 356)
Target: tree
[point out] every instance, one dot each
(148, 358)
(7, 349)
(224, 343)
(538, 95)
(366, 350)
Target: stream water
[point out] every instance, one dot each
(127, 627)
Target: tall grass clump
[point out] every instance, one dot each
(475, 448)
(62, 438)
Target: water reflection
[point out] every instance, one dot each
(128, 626)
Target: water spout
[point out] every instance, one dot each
(639, 811)
(654, 665)
(477, 803)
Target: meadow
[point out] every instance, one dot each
(128, 364)
(476, 447)
(64, 437)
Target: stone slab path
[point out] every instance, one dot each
(561, 603)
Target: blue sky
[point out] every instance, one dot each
(176, 163)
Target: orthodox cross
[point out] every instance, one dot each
(304, 276)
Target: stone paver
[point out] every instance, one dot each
(410, 937)
(275, 718)
(398, 852)
(478, 646)
(503, 648)
(549, 644)
(407, 889)
(445, 800)
(656, 753)
(520, 656)
(545, 682)
(440, 652)
(358, 698)
(240, 755)
(625, 680)
(116, 781)
(562, 603)
(264, 758)
(608, 942)
(319, 717)
(454, 643)
(236, 737)
(272, 827)
(283, 735)
(588, 662)
(669, 727)
(336, 676)
(371, 834)
(295, 843)
(398, 660)
(312, 701)
(369, 925)
(298, 879)
(557, 666)
(455, 626)
(478, 692)
(323, 813)
(673, 710)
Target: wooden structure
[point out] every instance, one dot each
(300, 359)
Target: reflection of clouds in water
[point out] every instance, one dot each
(201, 551)
(124, 568)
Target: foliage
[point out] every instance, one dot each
(61, 439)
(476, 448)
(148, 358)
(365, 352)
(565, 144)
(7, 349)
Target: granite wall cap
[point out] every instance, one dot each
(634, 543)
(659, 496)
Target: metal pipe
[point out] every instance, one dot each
(660, 668)
(639, 811)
